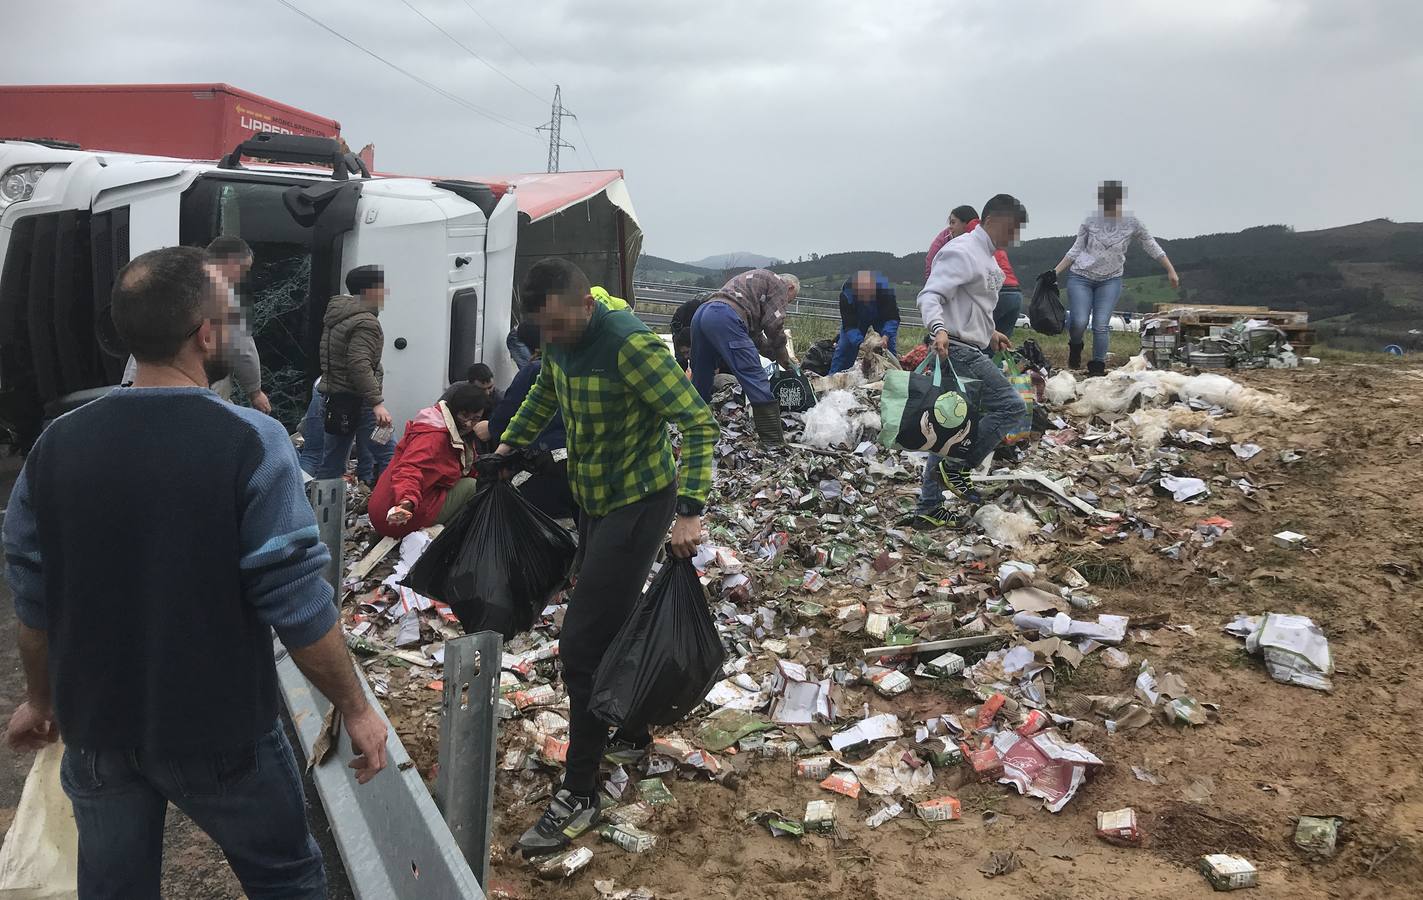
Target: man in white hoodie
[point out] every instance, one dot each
(957, 304)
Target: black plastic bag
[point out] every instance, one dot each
(817, 359)
(497, 563)
(666, 657)
(1045, 313)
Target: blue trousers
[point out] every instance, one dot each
(248, 799)
(1092, 301)
(848, 346)
(719, 334)
(313, 442)
(1005, 314)
(1000, 409)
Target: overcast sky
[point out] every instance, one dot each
(802, 126)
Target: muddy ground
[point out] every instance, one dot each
(1278, 751)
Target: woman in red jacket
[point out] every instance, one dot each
(429, 478)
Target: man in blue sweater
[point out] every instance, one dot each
(153, 541)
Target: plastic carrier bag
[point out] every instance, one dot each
(497, 563)
(1045, 312)
(666, 657)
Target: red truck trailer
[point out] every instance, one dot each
(188, 121)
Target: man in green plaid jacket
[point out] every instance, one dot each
(618, 387)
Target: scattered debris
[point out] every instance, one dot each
(1229, 873)
(1295, 649)
(1317, 836)
(1119, 827)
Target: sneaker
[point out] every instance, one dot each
(929, 520)
(567, 818)
(959, 482)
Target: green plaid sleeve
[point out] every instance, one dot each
(654, 377)
(536, 410)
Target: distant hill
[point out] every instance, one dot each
(1363, 282)
(739, 260)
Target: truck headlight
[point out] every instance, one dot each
(19, 183)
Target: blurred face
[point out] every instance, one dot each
(864, 285)
(487, 385)
(234, 271)
(956, 226)
(564, 319)
(1002, 230)
(217, 333)
(375, 297)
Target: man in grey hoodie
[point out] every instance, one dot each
(351, 374)
(957, 304)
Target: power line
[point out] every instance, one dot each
(586, 145)
(493, 68)
(502, 37)
(478, 110)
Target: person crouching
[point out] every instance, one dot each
(429, 479)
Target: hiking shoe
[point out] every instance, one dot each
(959, 482)
(567, 818)
(929, 520)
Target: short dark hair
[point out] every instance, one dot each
(964, 213)
(683, 338)
(1006, 205)
(552, 277)
(227, 246)
(469, 398)
(479, 372)
(1111, 194)
(363, 278)
(528, 334)
(157, 300)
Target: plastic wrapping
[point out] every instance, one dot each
(497, 563)
(666, 657)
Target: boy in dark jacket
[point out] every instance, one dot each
(351, 374)
(866, 302)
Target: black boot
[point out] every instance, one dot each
(1096, 369)
(767, 417)
(1074, 356)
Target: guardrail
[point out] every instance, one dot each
(659, 293)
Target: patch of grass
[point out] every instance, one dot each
(1103, 571)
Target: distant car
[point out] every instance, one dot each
(1023, 321)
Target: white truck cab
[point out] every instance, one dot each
(70, 219)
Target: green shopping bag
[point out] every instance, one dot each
(918, 412)
(1022, 382)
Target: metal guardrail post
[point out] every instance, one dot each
(328, 500)
(391, 837)
(469, 731)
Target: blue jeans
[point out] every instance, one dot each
(313, 441)
(1094, 301)
(848, 345)
(336, 450)
(1005, 314)
(249, 800)
(719, 334)
(1000, 409)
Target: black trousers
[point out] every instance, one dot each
(615, 553)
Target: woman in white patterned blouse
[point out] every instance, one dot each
(1095, 280)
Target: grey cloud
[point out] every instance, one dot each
(798, 126)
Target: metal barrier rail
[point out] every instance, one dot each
(809, 307)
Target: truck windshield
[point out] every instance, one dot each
(275, 292)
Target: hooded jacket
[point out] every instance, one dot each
(429, 459)
(862, 316)
(351, 345)
(760, 298)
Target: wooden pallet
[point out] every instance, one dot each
(1197, 321)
